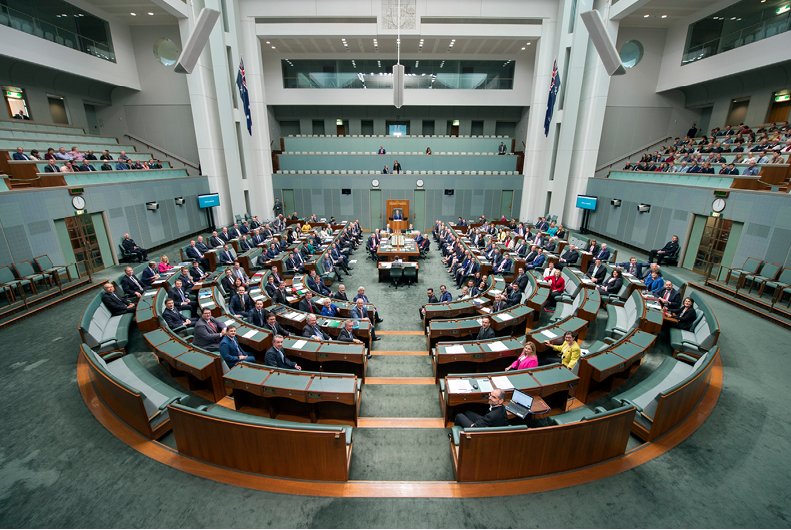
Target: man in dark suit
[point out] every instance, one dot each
(307, 305)
(114, 303)
(85, 166)
(196, 273)
(521, 279)
(197, 255)
(234, 232)
(208, 332)
(226, 257)
(596, 272)
(181, 299)
(203, 247)
(431, 300)
(272, 252)
(499, 304)
(520, 249)
(277, 276)
(241, 303)
(341, 294)
(129, 246)
(669, 297)
(280, 295)
(504, 267)
(668, 250)
(312, 329)
(186, 280)
(496, 417)
(276, 357)
(360, 313)
(257, 316)
(397, 215)
(52, 167)
(230, 350)
(270, 286)
(317, 284)
(216, 241)
(149, 274)
(245, 244)
(225, 235)
(273, 326)
(537, 263)
(513, 296)
(486, 331)
(174, 318)
(20, 154)
(534, 252)
(131, 285)
(632, 267)
(569, 257)
(603, 253)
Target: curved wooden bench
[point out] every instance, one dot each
(102, 331)
(705, 331)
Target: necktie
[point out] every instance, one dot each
(181, 296)
(116, 297)
(137, 284)
(237, 347)
(241, 298)
(667, 295)
(310, 306)
(199, 271)
(213, 327)
(282, 357)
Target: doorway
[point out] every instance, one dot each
(705, 119)
(780, 110)
(376, 209)
(737, 113)
(506, 202)
(288, 202)
(80, 242)
(16, 103)
(93, 121)
(57, 108)
(419, 215)
(717, 239)
(453, 127)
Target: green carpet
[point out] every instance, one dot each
(60, 468)
(400, 366)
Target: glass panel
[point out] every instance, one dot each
(420, 74)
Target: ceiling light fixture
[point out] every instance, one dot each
(664, 16)
(150, 13)
(646, 16)
(523, 48)
(273, 47)
(133, 14)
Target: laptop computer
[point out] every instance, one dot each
(520, 404)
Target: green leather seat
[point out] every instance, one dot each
(585, 413)
(102, 331)
(704, 334)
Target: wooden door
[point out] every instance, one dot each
(780, 112)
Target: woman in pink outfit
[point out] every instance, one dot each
(164, 264)
(527, 359)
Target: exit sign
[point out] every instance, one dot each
(17, 95)
(76, 191)
(784, 97)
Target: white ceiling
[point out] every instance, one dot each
(122, 9)
(318, 45)
(674, 10)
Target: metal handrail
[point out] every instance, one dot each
(163, 151)
(614, 161)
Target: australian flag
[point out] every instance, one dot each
(554, 87)
(242, 84)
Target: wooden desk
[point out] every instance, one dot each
(551, 383)
(338, 357)
(516, 319)
(478, 356)
(384, 269)
(289, 393)
(195, 369)
(146, 314)
(408, 252)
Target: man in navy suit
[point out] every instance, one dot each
(241, 303)
(182, 299)
(276, 357)
(397, 215)
(632, 267)
(173, 317)
(129, 245)
(201, 246)
(317, 284)
(216, 241)
(257, 315)
(86, 166)
(244, 244)
(114, 303)
(52, 167)
(445, 296)
(536, 263)
(197, 255)
(603, 253)
(596, 272)
(149, 274)
(225, 235)
(230, 350)
(196, 273)
(504, 266)
(226, 258)
(20, 155)
(131, 285)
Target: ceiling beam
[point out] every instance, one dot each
(624, 8)
(177, 8)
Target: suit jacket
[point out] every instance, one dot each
(270, 289)
(521, 281)
(513, 298)
(550, 247)
(626, 266)
(595, 250)
(603, 254)
(128, 244)
(49, 168)
(225, 236)
(538, 262)
(114, 303)
(227, 285)
(670, 247)
(305, 306)
(279, 297)
(226, 258)
(244, 245)
(178, 299)
(129, 286)
(612, 287)
(274, 359)
(173, 318)
(600, 274)
(533, 255)
(205, 337)
(276, 330)
(196, 274)
(397, 215)
(345, 336)
(317, 286)
(571, 256)
(21, 156)
(255, 318)
(186, 282)
(230, 350)
(674, 301)
(193, 252)
(356, 313)
(497, 417)
(147, 277)
(201, 246)
(445, 297)
(499, 307)
(239, 273)
(433, 300)
(236, 304)
(505, 265)
(308, 331)
(685, 318)
(340, 296)
(485, 333)
(216, 241)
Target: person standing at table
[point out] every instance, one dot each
(527, 359)
(278, 207)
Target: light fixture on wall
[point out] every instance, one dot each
(643, 208)
(179, 201)
(616, 202)
(152, 206)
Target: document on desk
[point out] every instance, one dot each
(548, 333)
(250, 333)
(455, 349)
(484, 385)
(459, 386)
(502, 382)
(228, 322)
(299, 344)
(497, 346)
(299, 317)
(504, 316)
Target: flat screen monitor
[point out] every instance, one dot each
(208, 200)
(586, 202)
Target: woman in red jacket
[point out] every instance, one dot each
(527, 359)
(556, 287)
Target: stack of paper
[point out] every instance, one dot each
(502, 382)
(497, 346)
(503, 317)
(458, 386)
(484, 385)
(299, 344)
(550, 335)
(250, 333)
(455, 349)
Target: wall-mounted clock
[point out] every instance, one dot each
(419, 183)
(375, 183)
(78, 202)
(718, 205)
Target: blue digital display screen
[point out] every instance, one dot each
(207, 201)
(586, 203)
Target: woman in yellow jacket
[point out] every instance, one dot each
(569, 350)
